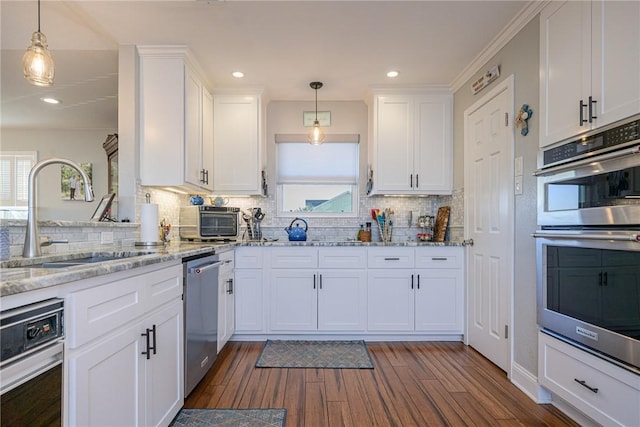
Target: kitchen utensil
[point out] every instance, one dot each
(297, 233)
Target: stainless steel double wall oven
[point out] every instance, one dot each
(588, 242)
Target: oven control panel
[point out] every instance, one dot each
(586, 146)
(26, 328)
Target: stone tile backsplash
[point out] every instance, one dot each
(329, 229)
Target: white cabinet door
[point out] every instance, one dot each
(393, 136)
(294, 300)
(105, 382)
(226, 300)
(439, 301)
(433, 149)
(615, 44)
(192, 129)
(249, 300)
(390, 300)
(172, 149)
(164, 370)
(589, 66)
(413, 143)
(236, 145)
(565, 69)
(206, 154)
(342, 300)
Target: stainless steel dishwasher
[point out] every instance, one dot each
(201, 317)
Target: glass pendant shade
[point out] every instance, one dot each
(37, 61)
(316, 137)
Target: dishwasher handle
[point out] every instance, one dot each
(202, 268)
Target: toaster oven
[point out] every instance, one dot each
(209, 223)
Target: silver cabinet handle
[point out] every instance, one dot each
(202, 268)
(392, 259)
(439, 258)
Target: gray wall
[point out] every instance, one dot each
(520, 58)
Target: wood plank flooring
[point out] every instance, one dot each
(412, 384)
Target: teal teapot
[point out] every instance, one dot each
(297, 233)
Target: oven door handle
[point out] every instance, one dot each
(631, 237)
(573, 165)
(25, 369)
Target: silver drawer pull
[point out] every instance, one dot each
(438, 259)
(392, 259)
(584, 384)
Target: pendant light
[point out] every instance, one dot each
(37, 61)
(316, 136)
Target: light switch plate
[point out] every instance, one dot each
(517, 188)
(517, 166)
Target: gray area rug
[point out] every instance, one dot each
(315, 354)
(230, 417)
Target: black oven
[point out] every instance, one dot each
(589, 289)
(594, 180)
(588, 242)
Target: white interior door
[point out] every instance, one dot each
(489, 221)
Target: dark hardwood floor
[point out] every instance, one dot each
(413, 384)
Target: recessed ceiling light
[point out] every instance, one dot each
(392, 73)
(51, 100)
(238, 74)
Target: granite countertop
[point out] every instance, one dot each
(19, 275)
(16, 275)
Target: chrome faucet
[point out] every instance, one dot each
(32, 241)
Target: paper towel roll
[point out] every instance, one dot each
(149, 222)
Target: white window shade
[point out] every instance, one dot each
(327, 163)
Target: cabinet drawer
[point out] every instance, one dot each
(249, 257)
(342, 258)
(564, 367)
(439, 257)
(227, 259)
(96, 311)
(294, 257)
(390, 258)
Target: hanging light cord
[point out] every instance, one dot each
(38, 15)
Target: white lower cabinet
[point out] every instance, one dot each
(249, 290)
(131, 374)
(362, 290)
(310, 295)
(226, 299)
(603, 391)
(416, 299)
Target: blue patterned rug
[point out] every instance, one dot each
(230, 417)
(315, 354)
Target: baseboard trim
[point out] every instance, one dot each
(528, 383)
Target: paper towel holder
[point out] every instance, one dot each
(103, 211)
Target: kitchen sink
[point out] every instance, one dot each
(79, 261)
(72, 262)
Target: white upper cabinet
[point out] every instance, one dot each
(412, 151)
(176, 120)
(589, 66)
(237, 149)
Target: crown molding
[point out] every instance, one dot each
(528, 12)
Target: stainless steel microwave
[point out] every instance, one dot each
(209, 223)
